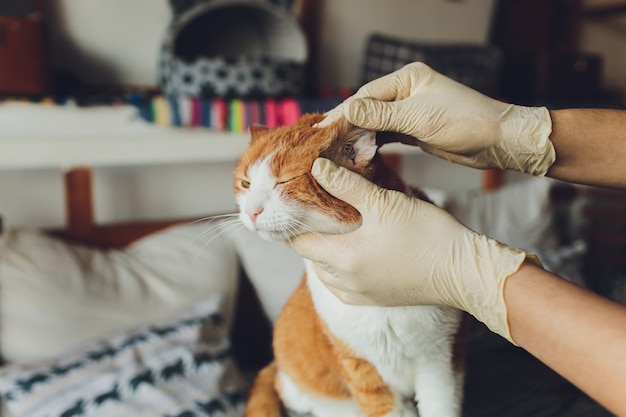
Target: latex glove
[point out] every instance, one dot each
(408, 252)
(453, 121)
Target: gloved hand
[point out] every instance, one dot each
(408, 252)
(452, 121)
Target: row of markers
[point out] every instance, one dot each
(223, 114)
(233, 115)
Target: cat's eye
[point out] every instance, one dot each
(289, 179)
(245, 183)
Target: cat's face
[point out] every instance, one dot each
(276, 193)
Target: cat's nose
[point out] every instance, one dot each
(254, 212)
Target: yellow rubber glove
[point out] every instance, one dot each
(408, 252)
(452, 121)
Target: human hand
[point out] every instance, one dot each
(408, 252)
(452, 121)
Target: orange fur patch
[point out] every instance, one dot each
(323, 364)
(294, 149)
(301, 343)
(263, 400)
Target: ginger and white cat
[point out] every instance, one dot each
(333, 359)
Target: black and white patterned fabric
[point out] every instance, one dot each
(271, 64)
(477, 66)
(162, 370)
(241, 76)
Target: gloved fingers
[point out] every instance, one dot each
(397, 85)
(468, 160)
(317, 247)
(392, 87)
(374, 114)
(366, 113)
(331, 116)
(341, 288)
(384, 88)
(420, 120)
(351, 297)
(381, 89)
(346, 185)
(341, 295)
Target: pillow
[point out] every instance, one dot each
(57, 296)
(274, 269)
(520, 215)
(165, 369)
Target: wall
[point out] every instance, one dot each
(347, 24)
(117, 41)
(82, 39)
(108, 42)
(607, 37)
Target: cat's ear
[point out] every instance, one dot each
(361, 147)
(255, 131)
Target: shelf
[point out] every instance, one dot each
(171, 146)
(109, 136)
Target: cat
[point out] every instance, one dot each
(333, 359)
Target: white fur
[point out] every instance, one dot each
(411, 347)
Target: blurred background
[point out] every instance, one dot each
(558, 53)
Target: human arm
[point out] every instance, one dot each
(590, 146)
(577, 333)
(409, 252)
(452, 121)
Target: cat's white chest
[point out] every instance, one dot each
(400, 342)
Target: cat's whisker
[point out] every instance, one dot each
(231, 225)
(211, 232)
(211, 223)
(215, 224)
(306, 227)
(221, 228)
(213, 217)
(291, 228)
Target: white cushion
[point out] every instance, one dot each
(521, 215)
(57, 297)
(273, 268)
(518, 214)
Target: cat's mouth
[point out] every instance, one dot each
(287, 230)
(274, 235)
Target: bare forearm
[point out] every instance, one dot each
(590, 146)
(579, 334)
